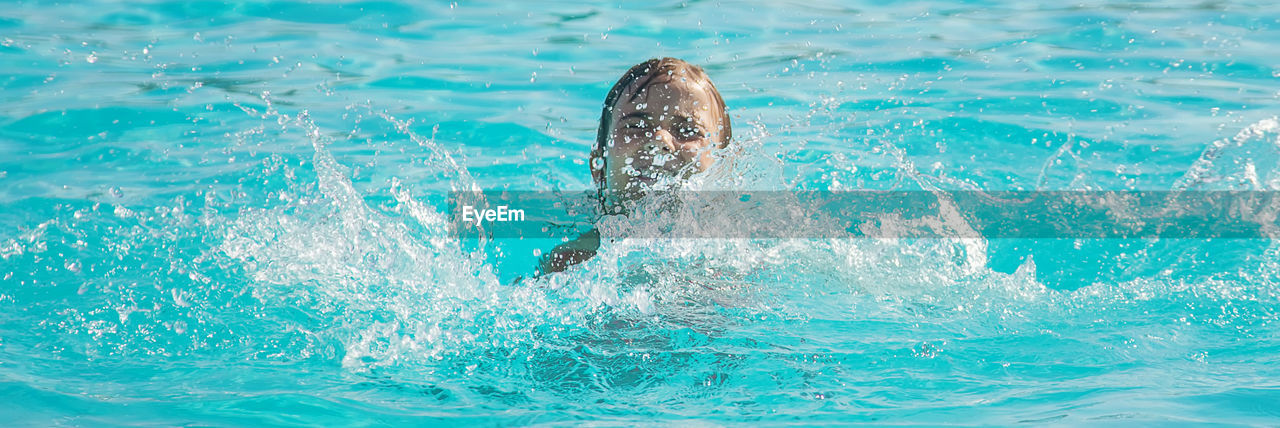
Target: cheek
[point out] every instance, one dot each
(621, 138)
(699, 148)
(624, 145)
(704, 160)
(615, 157)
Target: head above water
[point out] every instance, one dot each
(660, 120)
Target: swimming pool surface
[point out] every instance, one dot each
(232, 213)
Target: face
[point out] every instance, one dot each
(666, 133)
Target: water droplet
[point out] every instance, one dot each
(92, 58)
(73, 266)
(122, 212)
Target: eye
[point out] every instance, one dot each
(637, 124)
(689, 131)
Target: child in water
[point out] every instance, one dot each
(659, 124)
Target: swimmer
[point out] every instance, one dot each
(659, 124)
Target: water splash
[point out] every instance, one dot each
(1250, 160)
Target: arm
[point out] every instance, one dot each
(570, 253)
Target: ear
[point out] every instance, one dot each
(596, 162)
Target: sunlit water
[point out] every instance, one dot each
(233, 214)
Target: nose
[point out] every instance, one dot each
(662, 141)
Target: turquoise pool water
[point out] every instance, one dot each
(232, 213)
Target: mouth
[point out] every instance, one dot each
(646, 176)
(644, 179)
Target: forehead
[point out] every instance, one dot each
(676, 93)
